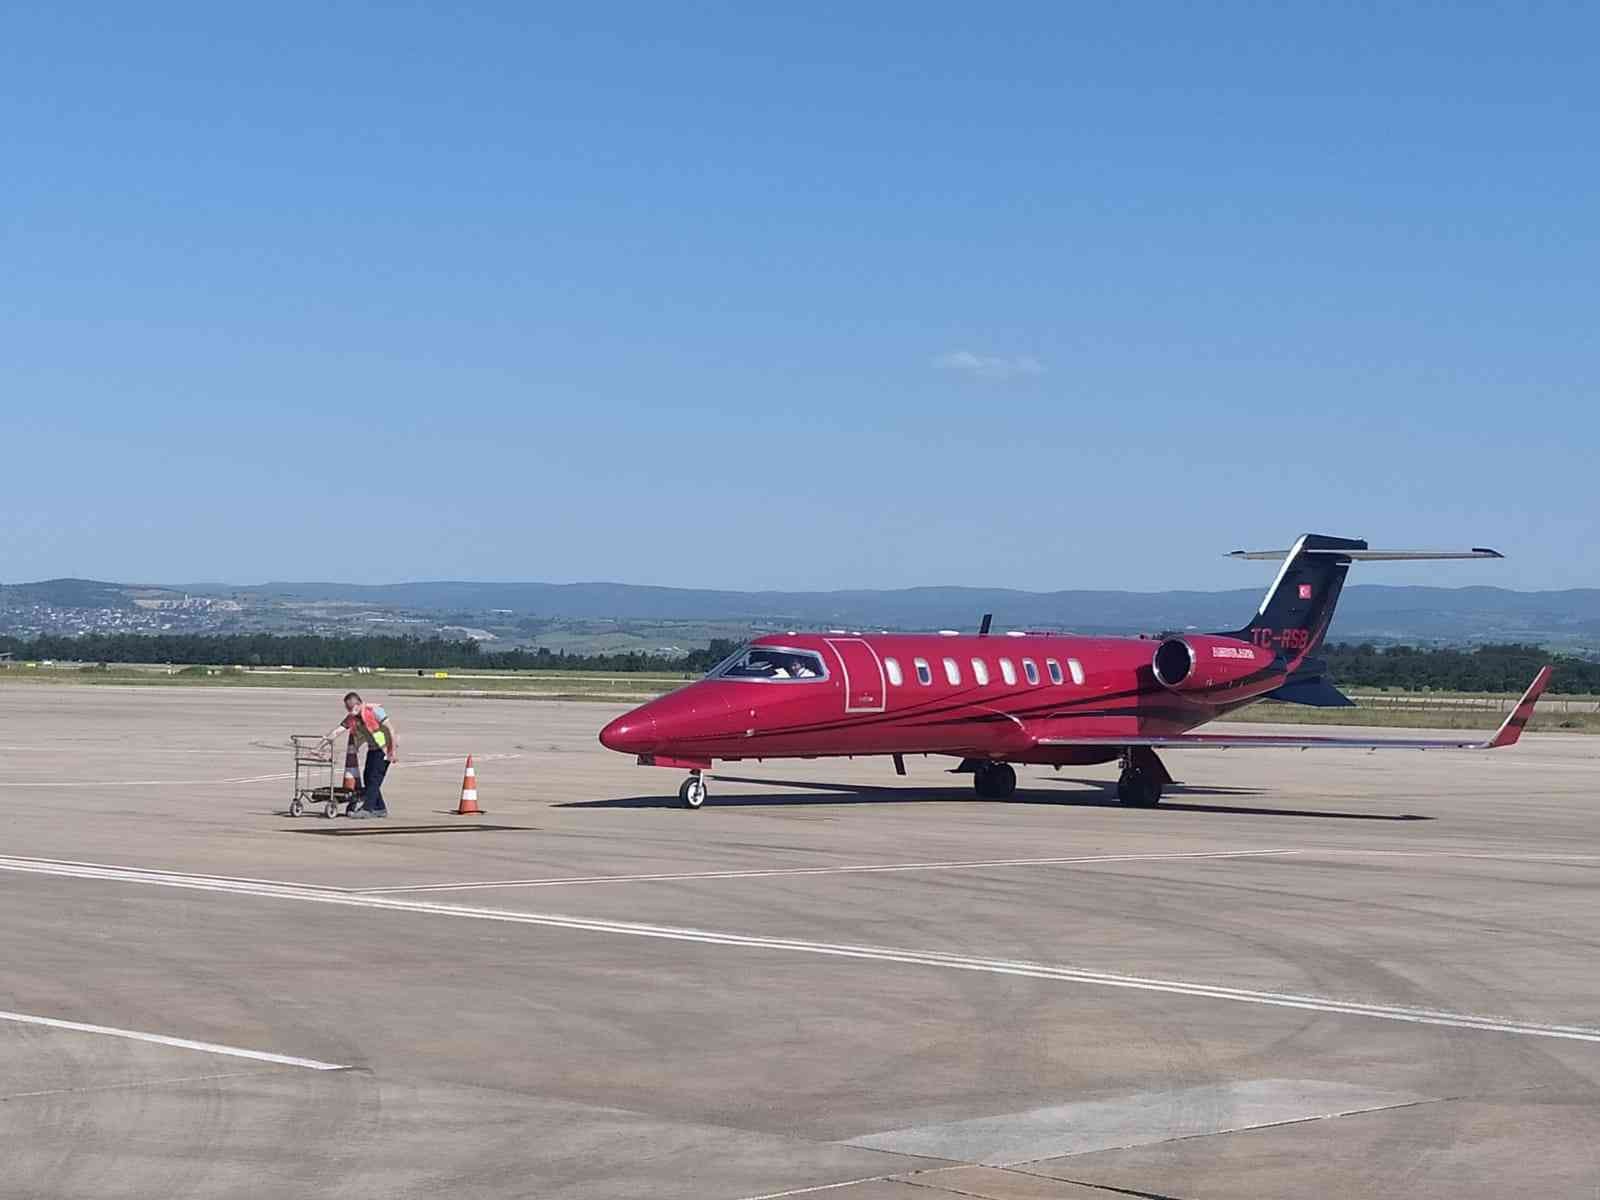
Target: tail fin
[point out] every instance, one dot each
(1298, 608)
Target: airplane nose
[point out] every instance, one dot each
(631, 733)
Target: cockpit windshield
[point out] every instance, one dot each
(768, 662)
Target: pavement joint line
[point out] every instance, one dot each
(887, 954)
(913, 1178)
(1106, 1187)
(856, 869)
(909, 1181)
(161, 1039)
(916, 1182)
(1254, 1127)
(137, 1083)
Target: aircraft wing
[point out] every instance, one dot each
(1510, 730)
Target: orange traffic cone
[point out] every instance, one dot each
(469, 792)
(350, 778)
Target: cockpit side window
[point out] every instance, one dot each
(773, 664)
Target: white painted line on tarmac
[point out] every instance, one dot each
(844, 1183)
(115, 869)
(66, 748)
(772, 872)
(276, 777)
(954, 865)
(888, 954)
(161, 1039)
(133, 783)
(1529, 857)
(214, 883)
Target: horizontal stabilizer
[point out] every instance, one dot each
(1371, 555)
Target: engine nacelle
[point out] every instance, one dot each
(1203, 663)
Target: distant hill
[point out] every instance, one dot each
(70, 593)
(1456, 615)
(1365, 609)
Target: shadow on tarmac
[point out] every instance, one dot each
(393, 830)
(1103, 796)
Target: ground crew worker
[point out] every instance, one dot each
(370, 725)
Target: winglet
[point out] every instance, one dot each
(1511, 729)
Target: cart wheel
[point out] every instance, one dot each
(330, 809)
(295, 807)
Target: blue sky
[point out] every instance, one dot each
(1034, 295)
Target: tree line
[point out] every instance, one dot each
(308, 650)
(1506, 668)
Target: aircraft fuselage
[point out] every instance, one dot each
(991, 697)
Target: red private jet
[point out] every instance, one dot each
(1044, 698)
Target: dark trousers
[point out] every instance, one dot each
(372, 780)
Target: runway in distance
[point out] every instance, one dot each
(1021, 697)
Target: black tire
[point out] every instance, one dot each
(1003, 781)
(1138, 789)
(692, 792)
(995, 781)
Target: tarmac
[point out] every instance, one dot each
(1309, 973)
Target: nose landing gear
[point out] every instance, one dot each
(693, 791)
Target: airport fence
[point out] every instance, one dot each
(1413, 702)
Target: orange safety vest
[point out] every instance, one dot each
(371, 718)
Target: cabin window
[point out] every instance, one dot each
(1054, 668)
(1076, 668)
(980, 672)
(772, 664)
(924, 673)
(891, 667)
(1008, 672)
(1031, 670)
(952, 672)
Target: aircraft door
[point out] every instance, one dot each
(864, 688)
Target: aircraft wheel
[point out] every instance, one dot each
(995, 781)
(693, 792)
(1003, 781)
(1138, 789)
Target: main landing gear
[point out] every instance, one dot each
(693, 791)
(1143, 776)
(994, 781)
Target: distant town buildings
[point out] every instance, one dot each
(219, 615)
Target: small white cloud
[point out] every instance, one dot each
(989, 366)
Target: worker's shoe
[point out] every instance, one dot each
(359, 814)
